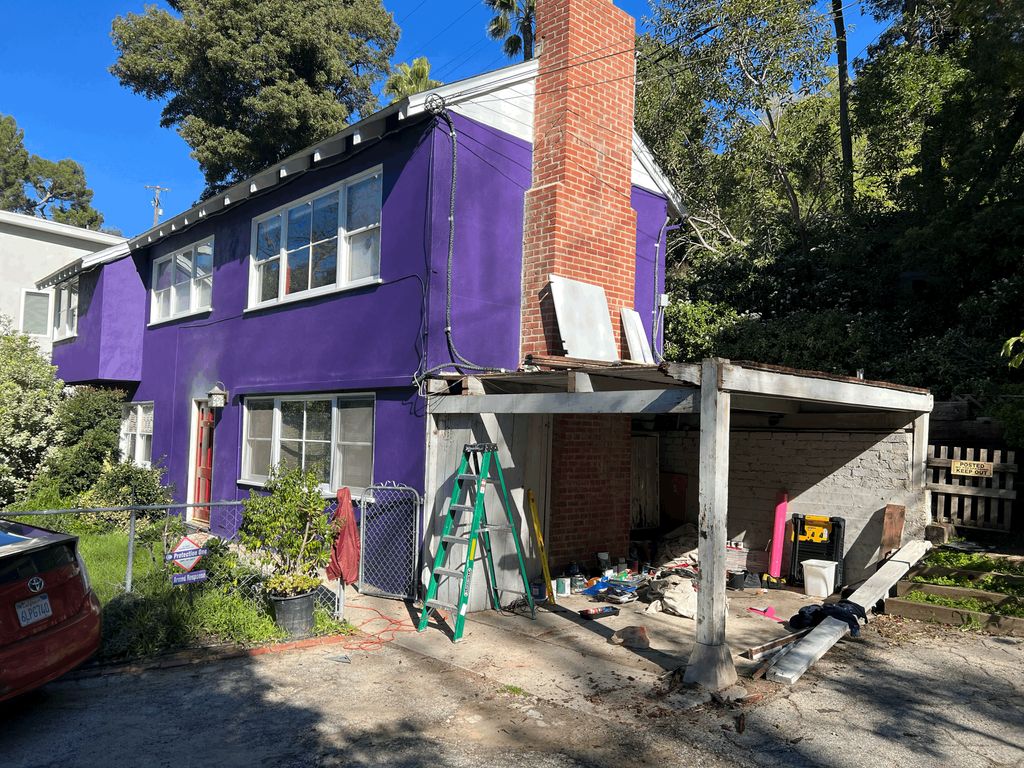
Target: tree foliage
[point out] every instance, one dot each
(407, 79)
(921, 280)
(247, 84)
(29, 398)
(87, 438)
(34, 185)
(513, 23)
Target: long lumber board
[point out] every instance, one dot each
(820, 639)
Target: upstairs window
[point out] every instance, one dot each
(137, 433)
(327, 241)
(182, 282)
(331, 434)
(35, 313)
(65, 309)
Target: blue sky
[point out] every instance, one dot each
(54, 81)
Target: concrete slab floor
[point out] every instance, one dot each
(565, 658)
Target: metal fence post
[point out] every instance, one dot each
(131, 552)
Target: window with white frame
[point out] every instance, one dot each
(137, 433)
(332, 434)
(35, 313)
(182, 282)
(65, 309)
(326, 241)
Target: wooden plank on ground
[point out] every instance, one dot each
(818, 642)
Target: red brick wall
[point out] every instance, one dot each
(590, 487)
(579, 220)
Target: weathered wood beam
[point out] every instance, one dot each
(737, 379)
(710, 664)
(634, 402)
(764, 404)
(966, 490)
(579, 382)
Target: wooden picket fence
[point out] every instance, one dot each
(984, 503)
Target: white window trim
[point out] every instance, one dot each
(342, 263)
(49, 313)
(193, 307)
(328, 489)
(138, 406)
(61, 332)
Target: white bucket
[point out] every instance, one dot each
(819, 577)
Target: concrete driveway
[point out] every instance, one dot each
(522, 692)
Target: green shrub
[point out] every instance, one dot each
(287, 528)
(29, 397)
(232, 619)
(87, 439)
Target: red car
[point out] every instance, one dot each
(49, 615)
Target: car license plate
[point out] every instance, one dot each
(34, 609)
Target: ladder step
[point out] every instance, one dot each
(441, 605)
(469, 476)
(455, 539)
(512, 591)
(460, 508)
(497, 528)
(449, 572)
(480, 447)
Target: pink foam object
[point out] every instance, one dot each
(778, 534)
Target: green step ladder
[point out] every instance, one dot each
(455, 550)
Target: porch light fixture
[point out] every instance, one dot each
(218, 396)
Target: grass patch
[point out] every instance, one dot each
(325, 624)
(990, 582)
(1013, 607)
(513, 690)
(973, 561)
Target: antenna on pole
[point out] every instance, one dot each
(157, 210)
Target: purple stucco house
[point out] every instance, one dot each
(315, 294)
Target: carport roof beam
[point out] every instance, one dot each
(681, 400)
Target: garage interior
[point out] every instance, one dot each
(617, 453)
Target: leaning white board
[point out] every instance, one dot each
(820, 639)
(583, 320)
(636, 337)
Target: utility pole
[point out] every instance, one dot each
(157, 210)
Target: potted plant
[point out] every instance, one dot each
(288, 530)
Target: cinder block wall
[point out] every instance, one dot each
(590, 486)
(846, 474)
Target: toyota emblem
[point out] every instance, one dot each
(36, 583)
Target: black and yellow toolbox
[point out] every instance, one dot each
(816, 537)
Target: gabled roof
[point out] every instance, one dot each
(90, 236)
(502, 98)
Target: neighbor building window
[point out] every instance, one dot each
(182, 282)
(35, 313)
(330, 434)
(65, 309)
(137, 433)
(326, 241)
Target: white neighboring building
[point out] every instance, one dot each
(31, 248)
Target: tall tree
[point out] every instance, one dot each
(513, 23)
(51, 189)
(845, 132)
(247, 84)
(13, 165)
(407, 79)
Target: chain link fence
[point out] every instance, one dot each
(389, 541)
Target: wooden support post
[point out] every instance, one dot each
(919, 469)
(710, 664)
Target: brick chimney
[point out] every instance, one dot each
(579, 221)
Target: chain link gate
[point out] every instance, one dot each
(389, 541)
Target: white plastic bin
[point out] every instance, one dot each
(819, 577)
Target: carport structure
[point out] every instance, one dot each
(837, 443)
